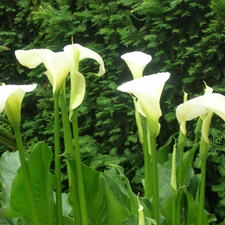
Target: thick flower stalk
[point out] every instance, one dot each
(203, 106)
(180, 147)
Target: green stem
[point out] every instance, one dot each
(203, 150)
(178, 207)
(25, 170)
(57, 162)
(80, 180)
(198, 130)
(181, 177)
(174, 207)
(180, 145)
(147, 167)
(152, 149)
(174, 184)
(142, 132)
(147, 163)
(68, 142)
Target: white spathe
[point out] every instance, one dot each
(59, 65)
(56, 63)
(136, 61)
(83, 53)
(11, 97)
(201, 106)
(148, 90)
(75, 53)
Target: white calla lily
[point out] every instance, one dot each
(136, 61)
(201, 106)
(75, 53)
(83, 53)
(148, 90)
(11, 100)
(57, 64)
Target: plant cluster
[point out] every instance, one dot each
(184, 37)
(174, 193)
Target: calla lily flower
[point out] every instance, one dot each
(57, 64)
(60, 64)
(11, 100)
(75, 53)
(148, 90)
(202, 106)
(136, 61)
(78, 52)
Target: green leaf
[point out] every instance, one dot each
(66, 207)
(194, 186)
(223, 223)
(95, 197)
(193, 210)
(131, 220)
(41, 180)
(164, 179)
(68, 220)
(121, 188)
(9, 164)
(163, 152)
(166, 205)
(3, 220)
(7, 139)
(102, 205)
(187, 162)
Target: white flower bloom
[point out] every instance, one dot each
(201, 106)
(83, 53)
(148, 90)
(75, 53)
(11, 97)
(57, 64)
(136, 61)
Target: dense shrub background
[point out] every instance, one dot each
(184, 37)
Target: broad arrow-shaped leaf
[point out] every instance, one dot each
(41, 181)
(102, 205)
